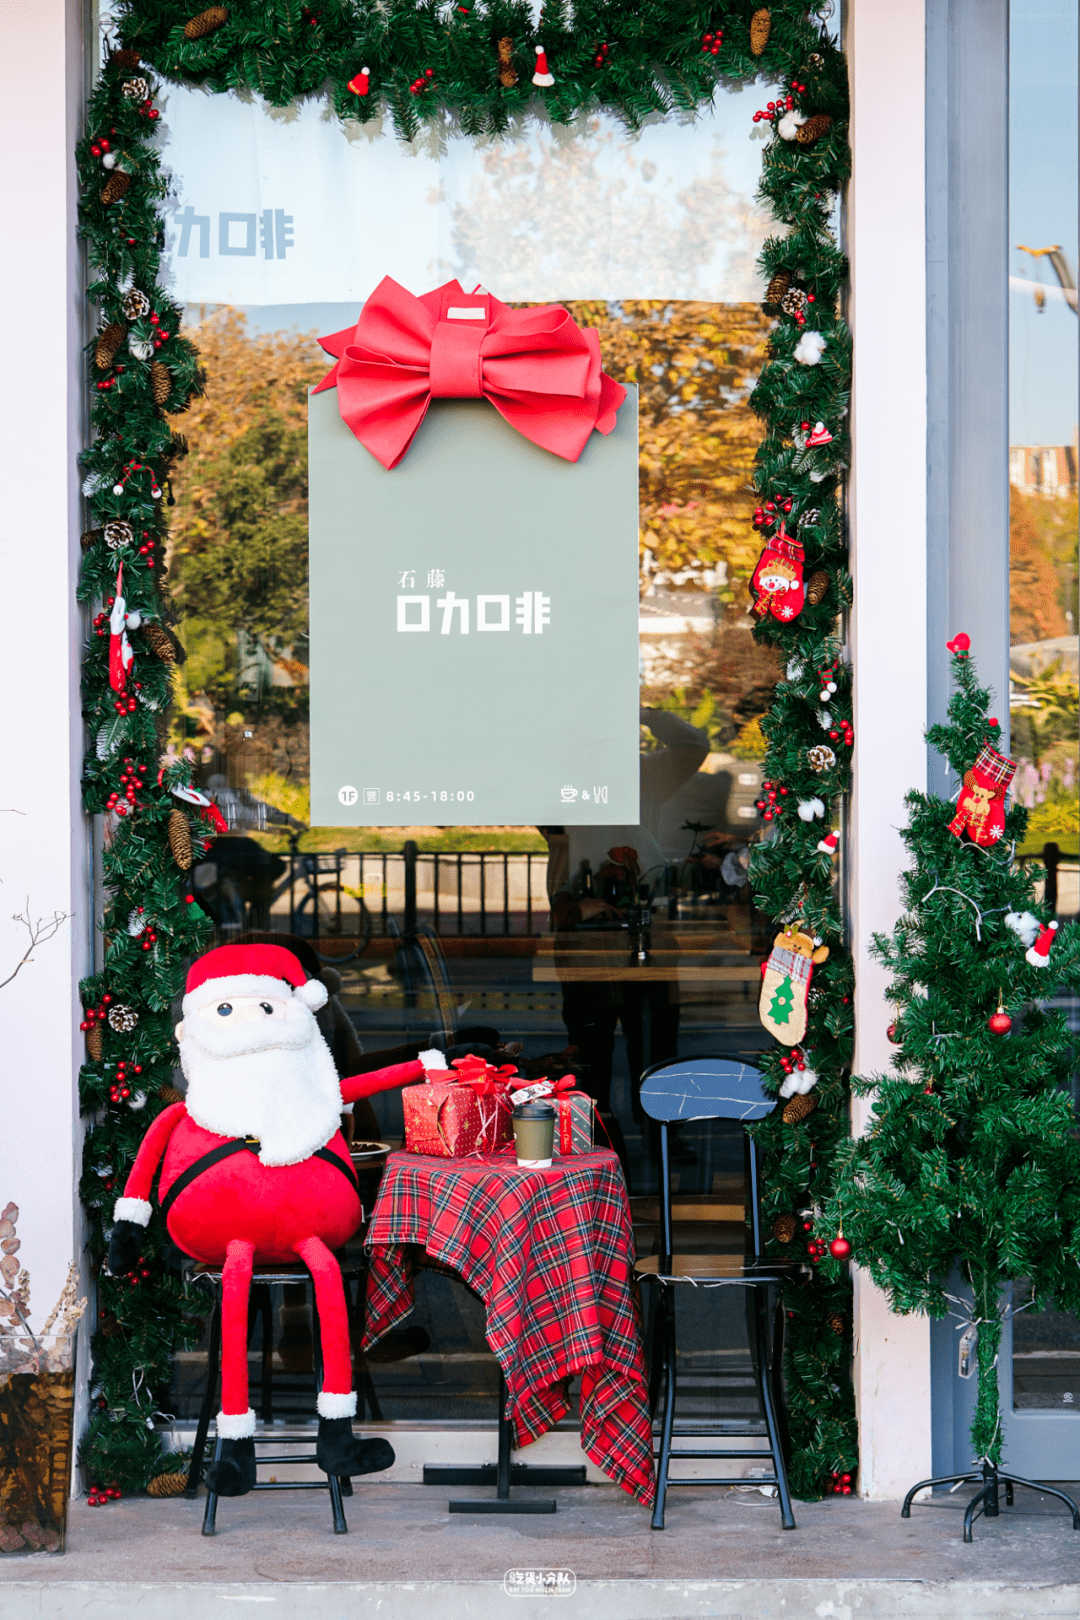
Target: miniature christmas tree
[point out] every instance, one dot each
(971, 1162)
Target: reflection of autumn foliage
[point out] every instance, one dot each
(732, 669)
(695, 365)
(239, 535)
(1042, 565)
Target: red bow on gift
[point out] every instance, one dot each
(539, 369)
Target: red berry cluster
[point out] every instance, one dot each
(770, 806)
(711, 43)
(162, 335)
(817, 1248)
(603, 50)
(100, 1494)
(120, 1091)
(427, 82)
(139, 1272)
(96, 1015)
(841, 1485)
(108, 382)
(132, 781)
(765, 516)
(800, 320)
(844, 734)
(147, 548)
(100, 145)
(783, 104)
(795, 1059)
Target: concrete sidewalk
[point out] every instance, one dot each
(723, 1555)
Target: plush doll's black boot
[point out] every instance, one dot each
(233, 1473)
(338, 1451)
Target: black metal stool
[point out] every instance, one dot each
(263, 1278)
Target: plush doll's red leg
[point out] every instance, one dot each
(233, 1473)
(337, 1450)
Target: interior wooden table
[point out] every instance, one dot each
(701, 952)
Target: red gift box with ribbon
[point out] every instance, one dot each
(575, 1111)
(461, 1110)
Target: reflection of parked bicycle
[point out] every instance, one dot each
(315, 890)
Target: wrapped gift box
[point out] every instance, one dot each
(575, 1111)
(449, 1117)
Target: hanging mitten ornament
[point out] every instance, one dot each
(778, 578)
(210, 811)
(980, 810)
(785, 983)
(121, 657)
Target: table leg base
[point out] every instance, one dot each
(488, 1474)
(494, 1505)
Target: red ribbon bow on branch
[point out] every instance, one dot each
(539, 369)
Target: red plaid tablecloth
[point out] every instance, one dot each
(551, 1254)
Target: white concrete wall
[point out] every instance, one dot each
(43, 841)
(887, 242)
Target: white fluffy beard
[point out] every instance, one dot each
(288, 1095)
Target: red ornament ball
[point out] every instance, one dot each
(892, 1034)
(999, 1023)
(840, 1248)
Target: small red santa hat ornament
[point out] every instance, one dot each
(361, 83)
(542, 76)
(234, 971)
(1039, 953)
(829, 844)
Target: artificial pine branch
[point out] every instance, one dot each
(971, 1161)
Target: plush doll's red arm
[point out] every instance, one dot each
(399, 1074)
(131, 1213)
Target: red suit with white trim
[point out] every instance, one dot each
(254, 1170)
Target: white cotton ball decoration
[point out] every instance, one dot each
(118, 489)
(799, 1082)
(811, 809)
(810, 348)
(137, 1100)
(790, 124)
(1023, 925)
(141, 348)
(134, 619)
(109, 160)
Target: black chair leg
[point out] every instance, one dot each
(266, 1316)
(656, 1352)
(209, 1523)
(664, 1460)
(765, 1386)
(776, 1373)
(213, 1364)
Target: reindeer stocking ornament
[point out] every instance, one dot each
(785, 983)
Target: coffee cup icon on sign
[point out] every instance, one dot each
(569, 794)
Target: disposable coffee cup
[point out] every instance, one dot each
(534, 1134)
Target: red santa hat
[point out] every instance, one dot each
(249, 970)
(829, 844)
(1039, 953)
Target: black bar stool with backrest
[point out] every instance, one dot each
(263, 1278)
(710, 1088)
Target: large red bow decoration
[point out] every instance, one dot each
(539, 369)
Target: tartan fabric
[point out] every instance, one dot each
(994, 766)
(551, 1254)
(797, 966)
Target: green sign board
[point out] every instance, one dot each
(474, 653)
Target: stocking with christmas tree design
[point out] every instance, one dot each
(785, 984)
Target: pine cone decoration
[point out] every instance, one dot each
(760, 24)
(819, 758)
(108, 344)
(207, 22)
(126, 60)
(122, 1019)
(505, 48)
(119, 534)
(135, 89)
(836, 1323)
(784, 1228)
(160, 642)
(95, 1043)
(814, 129)
(160, 382)
(167, 1485)
(778, 286)
(800, 1107)
(109, 1328)
(135, 304)
(180, 839)
(793, 301)
(811, 517)
(88, 537)
(816, 586)
(116, 186)
(169, 1094)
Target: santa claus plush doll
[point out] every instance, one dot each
(254, 1170)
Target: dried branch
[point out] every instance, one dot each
(40, 930)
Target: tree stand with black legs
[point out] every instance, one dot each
(986, 1501)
